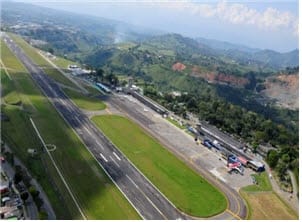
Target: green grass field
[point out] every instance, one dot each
(85, 102)
(263, 183)
(63, 63)
(184, 187)
(59, 77)
(96, 194)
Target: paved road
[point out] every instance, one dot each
(146, 199)
(236, 205)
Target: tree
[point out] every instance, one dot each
(24, 196)
(99, 74)
(42, 215)
(18, 177)
(34, 193)
(39, 202)
(272, 158)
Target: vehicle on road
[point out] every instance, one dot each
(243, 160)
(255, 165)
(235, 167)
(233, 159)
(207, 143)
(217, 145)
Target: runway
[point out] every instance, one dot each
(140, 192)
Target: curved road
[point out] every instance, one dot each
(141, 193)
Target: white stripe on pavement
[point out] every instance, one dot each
(97, 142)
(132, 181)
(104, 157)
(146, 196)
(117, 157)
(114, 161)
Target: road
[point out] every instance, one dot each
(144, 197)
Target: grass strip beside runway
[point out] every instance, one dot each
(187, 190)
(85, 102)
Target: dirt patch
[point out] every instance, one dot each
(178, 66)
(267, 206)
(219, 78)
(284, 89)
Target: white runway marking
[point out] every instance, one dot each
(99, 144)
(145, 196)
(132, 181)
(114, 161)
(217, 174)
(104, 157)
(117, 157)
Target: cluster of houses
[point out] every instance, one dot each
(11, 205)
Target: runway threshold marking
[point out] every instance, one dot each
(117, 157)
(146, 196)
(104, 158)
(114, 161)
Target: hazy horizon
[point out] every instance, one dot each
(255, 24)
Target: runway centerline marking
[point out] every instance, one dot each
(104, 158)
(132, 181)
(146, 196)
(97, 142)
(117, 157)
(114, 161)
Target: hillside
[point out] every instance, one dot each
(248, 56)
(284, 89)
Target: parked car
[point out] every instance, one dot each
(217, 145)
(207, 143)
(233, 159)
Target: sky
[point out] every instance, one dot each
(266, 24)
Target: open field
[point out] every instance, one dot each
(85, 102)
(185, 188)
(59, 77)
(63, 63)
(97, 195)
(268, 206)
(263, 183)
(264, 204)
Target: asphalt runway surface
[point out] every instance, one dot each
(139, 191)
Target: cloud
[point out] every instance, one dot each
(235, 13)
